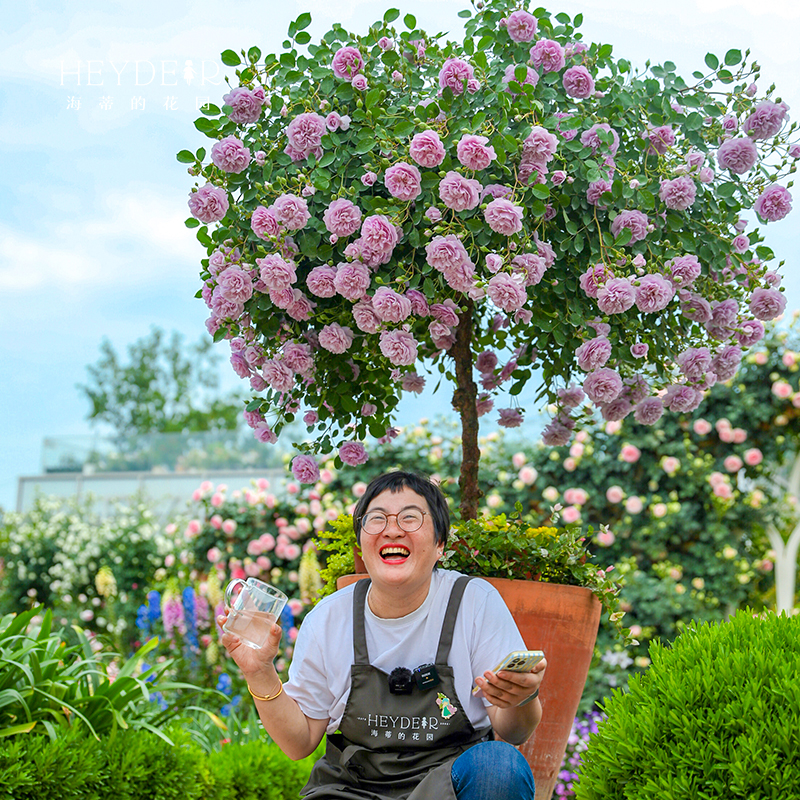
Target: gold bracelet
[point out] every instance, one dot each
(263, 697)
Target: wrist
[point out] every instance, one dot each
(528, 699)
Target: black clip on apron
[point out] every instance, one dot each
(390, 745)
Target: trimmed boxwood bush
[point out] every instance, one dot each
(717, 715)
(138, 765)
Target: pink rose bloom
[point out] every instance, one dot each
(591, 138)
(320, 281)
(521, 26)
(636, 221)
(594, 278)
(683, 270)
(369, 178)
(605, 538)
(399, 347)
(593, 354)
(702, 427)
(276, 273)
(751, 332)
(389, 306)
(264, 434)
(333, 121)
(558, 177)
(506, 292)
(737, 155)
(305, 133)
(547, 56)
(335, 338)
(634, 505)
(766, 120)
(445, 252)
(263, 223)
(291, 211)
(510, 417)
(209, 203)
(732, 463)
(353, 454)
(679, 193)
(653, 294)
(403, 181)
(767, 304)
(278, 375)
(503, 216)
(347, 63)
(614, 494)
(459, 193)
(616, 296)
(433, 214)
(342, 217)
(602, 385)
(782, 390)
(726, 362)
(378, 239)
(235, 284)
(640, 350)
(531, 266)
(412, 382)
(230, 155)
(455, 74)
(540, 145)
(695, 362)
(385, 44)
(740, 243)
(364, 317)
(706, 175)
(359, 83)
(630, 453)
(427, 149)
(753, 457)
(578, 82)
(351, 280)
(660, 139)
(473, 152)
(245, 105)
(681, 398)
(773, 203)
(596, 190)
(305, 469)
(531, 77)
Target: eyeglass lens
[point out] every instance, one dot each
(409, 520)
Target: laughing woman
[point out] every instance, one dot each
(387, 667)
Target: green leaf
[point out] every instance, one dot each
(365, 146)
(303, 21)
(485, 41)
(304, 37)
(465, 13)
(185, 157)
(711, 61)
(373, 96)
(230, 58)
(410, 21)
(541, 191)
(733, 57)
(192, 222)
(404, 128)
(390, 16)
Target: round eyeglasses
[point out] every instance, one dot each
(408, 520)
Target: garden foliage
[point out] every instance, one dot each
(381, 207)
(715, 716)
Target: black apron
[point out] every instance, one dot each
(392, 746)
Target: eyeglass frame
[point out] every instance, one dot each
(386, 523)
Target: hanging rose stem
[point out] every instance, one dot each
(464, 402)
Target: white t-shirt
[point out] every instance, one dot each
(319, 674)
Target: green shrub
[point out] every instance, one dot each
(717, 715)
(257, 770)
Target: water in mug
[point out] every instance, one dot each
(252, 626)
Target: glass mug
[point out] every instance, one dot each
(253, 610)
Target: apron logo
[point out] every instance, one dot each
(448, 709)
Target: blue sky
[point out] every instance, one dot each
(96, 99)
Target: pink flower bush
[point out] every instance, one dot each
(374, 219)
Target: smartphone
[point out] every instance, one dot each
(518, 661)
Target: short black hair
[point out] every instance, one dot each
(396, 481)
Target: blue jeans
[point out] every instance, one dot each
(492, 771)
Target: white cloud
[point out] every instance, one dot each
(127, 242)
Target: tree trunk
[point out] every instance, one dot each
(464, 402)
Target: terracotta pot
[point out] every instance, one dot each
(562, 621)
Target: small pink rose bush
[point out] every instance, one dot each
(574, 217)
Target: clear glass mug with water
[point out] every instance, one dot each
(253, 611)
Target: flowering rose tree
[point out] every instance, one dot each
(377, 208)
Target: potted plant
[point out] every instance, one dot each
(556, 594)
